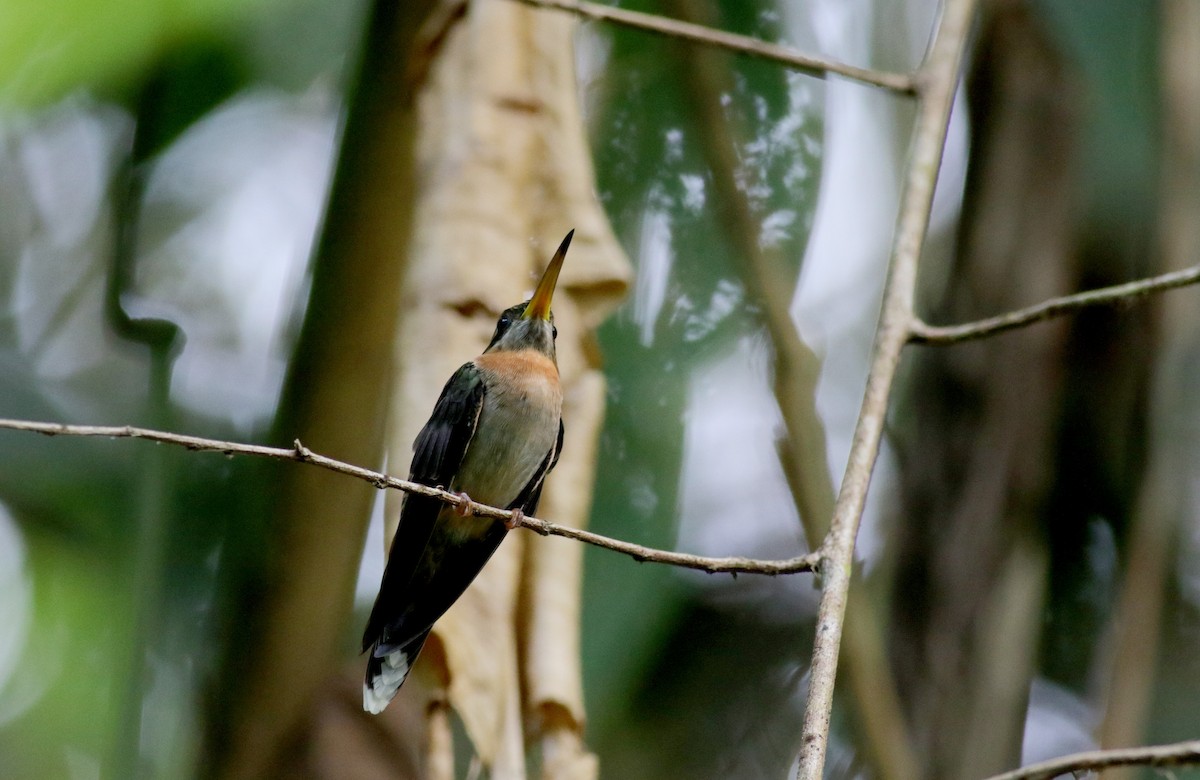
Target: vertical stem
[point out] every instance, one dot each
(1133, 668)
(163, 341)
(335, 398)
(796, 367)
(936, 87)
(796, 373)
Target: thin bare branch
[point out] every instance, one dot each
(1158, 756)
(938, 80)
(301, 454)
(1055, 307)
(902, 83)
(796, 368)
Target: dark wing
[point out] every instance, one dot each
(528, 500)
(446, 574)
(437, 454)
(439, 448)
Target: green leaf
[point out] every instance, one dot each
(49, 48)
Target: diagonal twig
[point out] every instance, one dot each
(301, 454)
(1158, 756)
(939, 77)
(921, 333)
(815, 65)
(796, 370)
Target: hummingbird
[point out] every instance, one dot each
(494, 435)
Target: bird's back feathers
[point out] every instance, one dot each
(495, 433)
(437, 454)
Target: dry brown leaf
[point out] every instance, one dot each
(554, 566)
(596, 280)
(503, 157)
(564, 756)
(439, 743)
(564, 180)
(480, 645)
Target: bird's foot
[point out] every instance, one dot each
(463, 507)
(517, 518)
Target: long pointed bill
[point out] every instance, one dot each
(539, 304)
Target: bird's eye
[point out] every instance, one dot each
(554, 331)
(505, 321)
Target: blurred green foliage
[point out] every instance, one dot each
(171, 68)
(124, 641)
(1113, 48)
(639, 619)
(50, 48)
(663, 666)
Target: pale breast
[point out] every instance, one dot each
(518, 425)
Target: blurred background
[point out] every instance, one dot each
(1031, 551)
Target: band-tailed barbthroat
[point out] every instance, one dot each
(494, 435)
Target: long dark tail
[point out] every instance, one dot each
(387, 668)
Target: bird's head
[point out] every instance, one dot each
(530, 325)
